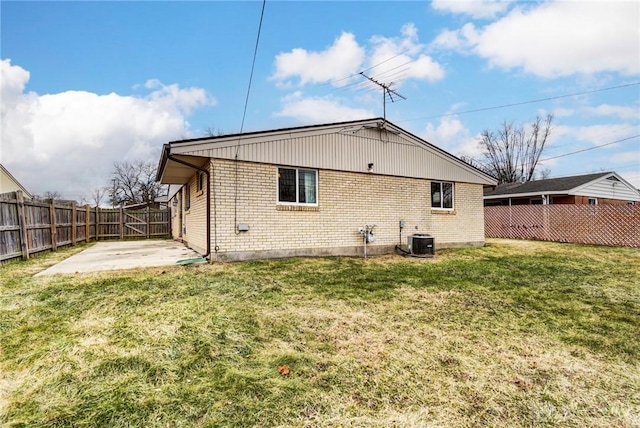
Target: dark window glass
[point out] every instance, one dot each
(436, 195)
(200, 180)
(442, 195)
(286, 185)
(447, 195)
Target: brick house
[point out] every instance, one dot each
(306, 191)
(604, 188)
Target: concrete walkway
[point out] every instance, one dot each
(123, 255)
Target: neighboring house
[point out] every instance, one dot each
(306, 191)
(604, 188)
(9, 184)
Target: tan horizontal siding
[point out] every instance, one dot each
(391, 153)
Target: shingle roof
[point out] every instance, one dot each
(555, 185)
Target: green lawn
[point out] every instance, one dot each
(513, 334)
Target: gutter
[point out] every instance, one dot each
(206, 171)
(528, 195)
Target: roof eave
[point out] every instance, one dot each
(163, 161)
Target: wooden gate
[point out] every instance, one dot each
(149, 223)
(135, 224)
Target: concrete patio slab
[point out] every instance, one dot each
(104, 256)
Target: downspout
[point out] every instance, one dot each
(206, 171)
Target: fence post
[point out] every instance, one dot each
(97, 223)
(87, 223)
(148, 222)
(54, 231)
(121, 223)
(22, 223)
(169, 228)
(74, 223)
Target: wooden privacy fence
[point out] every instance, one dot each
(613, 225)
(28, 227)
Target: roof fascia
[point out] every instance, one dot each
(523, 195)
(163, 161)
(185, 146)
(279, 131)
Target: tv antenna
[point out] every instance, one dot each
(386, 90)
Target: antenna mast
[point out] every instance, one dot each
(386, 90)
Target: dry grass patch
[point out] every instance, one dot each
(511, 334)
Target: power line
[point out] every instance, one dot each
(521, 103)
(602, 169)
(591, 148)
(333, 82)
(253, 66)
(610, 131)
(244, 113)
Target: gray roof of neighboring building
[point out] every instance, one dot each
(551, 185)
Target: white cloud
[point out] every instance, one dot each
(401, 58)
(460, 40)
(475, 8)
(319, 109)
(632, 177)
(623, 112)
(451, 135)
(387, 59)
(559, 38)
(67, 142)
(343, 58)
(563, 112)
(600, 134)
(173, 97)
(626, 157)
(570, 138)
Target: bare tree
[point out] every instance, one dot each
(544, 173)
(134, 183)
(48, 195)
(211, 131)
(97, 195)
(511, 154)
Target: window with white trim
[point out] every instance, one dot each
(593, 201)
(297, 186)
(441, 195)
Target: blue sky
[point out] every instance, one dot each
(85, 84)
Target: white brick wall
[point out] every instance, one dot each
(346, 201)
(195, 226)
